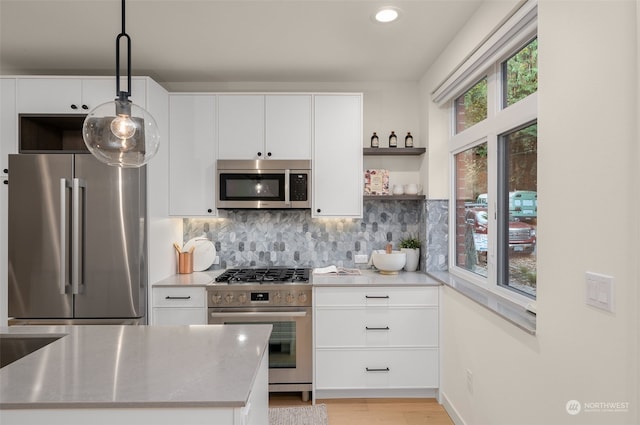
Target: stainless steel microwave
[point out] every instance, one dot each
(269, 183)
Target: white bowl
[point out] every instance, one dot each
(389, 263)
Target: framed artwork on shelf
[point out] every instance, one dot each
(376, 182)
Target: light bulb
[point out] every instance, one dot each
(123, 127)
(120, 133)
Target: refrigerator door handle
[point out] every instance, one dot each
(62, 275)
(77, 212)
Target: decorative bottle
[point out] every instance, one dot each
(375, 143)
(408, 140)
(393, 140)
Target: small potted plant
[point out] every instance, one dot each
(411, 247)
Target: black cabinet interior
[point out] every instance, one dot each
(46, 133)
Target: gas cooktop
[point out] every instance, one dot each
(263, 276)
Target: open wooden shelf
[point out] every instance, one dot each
(394, 151)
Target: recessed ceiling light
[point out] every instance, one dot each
(388, 14)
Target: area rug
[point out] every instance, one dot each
(299, 415)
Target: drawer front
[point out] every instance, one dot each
(180, 316)
(380, 368)
(179, 297)
(376, 327)
(376, 296)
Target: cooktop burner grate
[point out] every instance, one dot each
(265, 275)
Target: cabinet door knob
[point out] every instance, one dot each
(6, 170)
(209, 210)
(268, 153)
(6, 182)
(318, 210)
(85, 107)
(259, 153)
(74, 107)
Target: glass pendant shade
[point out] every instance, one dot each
(122, 134)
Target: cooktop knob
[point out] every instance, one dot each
(289, 298)
(242, 298)
(229, 298)
(302, 297)
(216, 298)
(277, 298)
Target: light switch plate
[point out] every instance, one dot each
(599, 291)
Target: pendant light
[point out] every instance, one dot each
(120, 133)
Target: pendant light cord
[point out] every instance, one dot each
(123, 95)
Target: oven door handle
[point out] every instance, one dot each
(261, 314)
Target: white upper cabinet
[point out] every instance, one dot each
(241, 126)
(269, 126)
(62, 95)
(192, 154)
(288, 126)
(337, 156)
(8, 122)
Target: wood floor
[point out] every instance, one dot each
(370, 411)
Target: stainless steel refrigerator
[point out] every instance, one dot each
(77, 240)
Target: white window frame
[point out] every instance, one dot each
(486, 60)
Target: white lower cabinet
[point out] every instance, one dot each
(179, 306)
(376, 340)
(377, 368)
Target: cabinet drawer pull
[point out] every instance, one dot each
(377, 296)
(386, 328)
(169, 297)
(372, 369)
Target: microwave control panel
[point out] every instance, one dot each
(298, 187)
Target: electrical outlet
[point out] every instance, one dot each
(469, 381)
(216, 260)
(361, 258)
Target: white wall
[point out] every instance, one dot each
(588, 196)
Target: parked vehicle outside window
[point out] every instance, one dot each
(522, 236)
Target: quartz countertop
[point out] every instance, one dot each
(368, 277)
(135, 366)
(190, 279)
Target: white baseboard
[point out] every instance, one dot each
(451, 410)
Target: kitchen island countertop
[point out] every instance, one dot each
(104, 366)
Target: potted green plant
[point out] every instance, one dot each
(411, 247)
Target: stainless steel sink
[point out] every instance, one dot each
(14, 347)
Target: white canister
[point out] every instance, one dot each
(412, 189)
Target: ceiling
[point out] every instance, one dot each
(230, 40)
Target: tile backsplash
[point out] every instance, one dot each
(259, 238)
